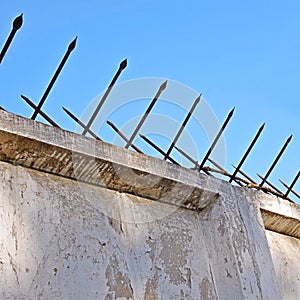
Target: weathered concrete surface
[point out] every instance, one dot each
(282, 221)
(61, 239)
(41, 147)
(81, 219)
(285, 252)
(280, 215)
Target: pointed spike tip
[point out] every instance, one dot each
(123, 64)
(163, 85)
(198, 99)
(18, 21)
(72, 45)
(262, 127)
(109, 122)
(27, 100)
(67, 111)
(289, 138)
(24, 97)
(231, 112)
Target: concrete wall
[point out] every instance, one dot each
(81, 219)
(56, 243)
(285, 252)
(282, 221)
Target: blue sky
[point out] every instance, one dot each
(242, 54)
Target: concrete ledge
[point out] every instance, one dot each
(280, 215)
(53, 150)
(38, 146)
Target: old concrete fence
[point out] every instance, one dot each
(82, 219)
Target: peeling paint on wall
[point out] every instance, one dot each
(67, 248)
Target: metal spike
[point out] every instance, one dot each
(55, 76)
(188, 157)
(275, 161)
(224, 172)
(183, 126)
(271, 185)
(147, 112)
(158, 149)
(81, 124)
(46, 117)
(72, 45)
(216, 140)
(17, 23)
(292, 185)
(246, 176)
(287, 186)
(253, 184)
(247, 152)
(122, 66)
(122, 135)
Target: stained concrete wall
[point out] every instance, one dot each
(56, 243)
(81, 219)
(285, 251)
(282, 221)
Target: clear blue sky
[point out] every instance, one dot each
(242, 54)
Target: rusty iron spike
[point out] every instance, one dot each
(292, 184)
(271, 185)
(147, 112)
(81, 124)
(247, 152)
(17, 24)
(287, 186)
(122, 135)
(122, 66)
(246, 176)
(275, 161)
(48, 119)
(183, 125)
(158, 149)
(55, 76)
(265, 189)
(216, 140)
(253, 184)
(224, 171)
(188, 157)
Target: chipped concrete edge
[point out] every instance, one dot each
(45, 148)
(39, 146)
(280, 215)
